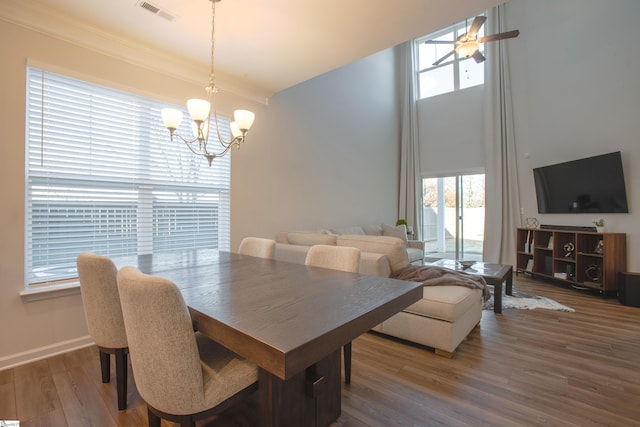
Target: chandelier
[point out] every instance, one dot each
(200, 112)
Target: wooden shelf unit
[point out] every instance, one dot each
(545, 253)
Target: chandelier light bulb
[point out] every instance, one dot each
(171, 117)
(198, 109)
(244, 119)
(235, 130)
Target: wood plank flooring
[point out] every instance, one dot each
(519, 368)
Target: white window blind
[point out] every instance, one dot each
(102, 175)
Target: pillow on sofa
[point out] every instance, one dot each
(400, 231)
(348, 230)
(372, 230)
(310, 239)
(392, 247)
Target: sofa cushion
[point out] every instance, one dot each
(445, 302)
(400, 231)
(356, 229)
(392, 247)
(372, 230)
(310, 239)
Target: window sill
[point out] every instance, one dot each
(38, 294)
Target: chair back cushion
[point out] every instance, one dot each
(258, 247)
(162, 345)
(101, 300)
(334, 257)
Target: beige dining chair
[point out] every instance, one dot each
(343, 258)
(101, 301)
(182, 376)
(258, 247)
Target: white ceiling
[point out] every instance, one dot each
(264, 45)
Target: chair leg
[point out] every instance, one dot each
(121, 377)
(154, 420)
(347, 363)
(105, 366)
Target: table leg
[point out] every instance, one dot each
(497, 296)
(310, 398)
(509, 280)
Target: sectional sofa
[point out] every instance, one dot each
(440, 320)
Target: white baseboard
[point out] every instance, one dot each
(13, 360)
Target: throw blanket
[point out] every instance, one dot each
(432, 276)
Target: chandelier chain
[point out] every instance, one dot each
(211, 89)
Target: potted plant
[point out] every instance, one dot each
(599, 225)
(409, 228)
(401, 221)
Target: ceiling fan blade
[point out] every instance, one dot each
(499, 36)
(475, 25)
(440, 42)
(444, 57)
(478, 56)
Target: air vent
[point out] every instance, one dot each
(157, 11)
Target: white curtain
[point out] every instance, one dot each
(501, 174)
(409, 202)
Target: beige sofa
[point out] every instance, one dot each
(441, 319)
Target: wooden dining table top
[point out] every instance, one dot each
(282, 316)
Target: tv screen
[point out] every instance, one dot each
(594, 185)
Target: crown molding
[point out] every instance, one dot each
(55, 24)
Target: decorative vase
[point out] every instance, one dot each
(600, 229)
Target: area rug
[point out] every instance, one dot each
(523, 301)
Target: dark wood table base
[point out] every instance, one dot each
(310, 398)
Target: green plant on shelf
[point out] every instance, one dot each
(599, 223)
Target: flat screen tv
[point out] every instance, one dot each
(589, 185)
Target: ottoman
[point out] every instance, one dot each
(441, 319)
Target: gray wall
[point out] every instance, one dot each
(324, 155)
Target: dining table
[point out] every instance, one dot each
(291, 320)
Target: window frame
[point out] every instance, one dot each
(455, 60)
(154, 195)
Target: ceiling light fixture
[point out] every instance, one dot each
(200, 112)
(467, 49)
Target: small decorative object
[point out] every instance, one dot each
(593, 272)
(599, 225)
(401, 221)
(599, 248)
(531, 223)
(466, 264)
(550, 244)
(568, 249)
(529, 266)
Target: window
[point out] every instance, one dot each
(455, 72)
(453, 216)
(102, 175)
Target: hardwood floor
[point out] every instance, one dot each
(521, 367)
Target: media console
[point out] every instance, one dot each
(581, 258)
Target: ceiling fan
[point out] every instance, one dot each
(467, 43)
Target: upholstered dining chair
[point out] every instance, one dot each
(258, 247)
(182, 376)
(343, 258)
(101, 301)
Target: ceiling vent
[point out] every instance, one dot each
(156, 10)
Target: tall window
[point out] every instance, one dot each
(103, 176)
(454, 73)
(453, 216)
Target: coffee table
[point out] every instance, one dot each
(494, 274)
